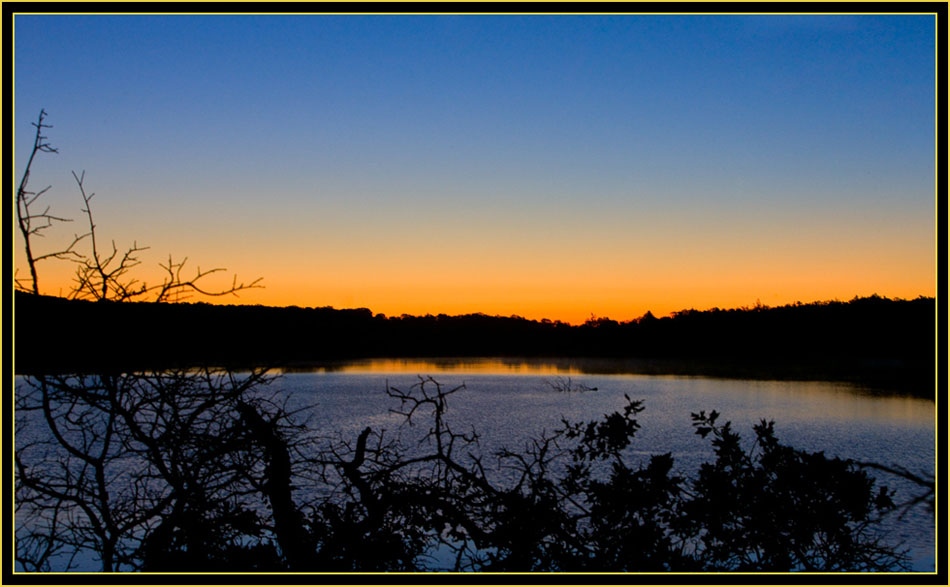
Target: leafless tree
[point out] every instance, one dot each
(105, 460)
(32, 222)
(102, 275)
(125, 457)
(106, 276)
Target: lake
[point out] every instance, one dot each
(510, 401)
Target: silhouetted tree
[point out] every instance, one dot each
(105, 276)
(33, 223)
(775, 508)
(113, 464)
(172, 472)
(100, 275)
(125, 458)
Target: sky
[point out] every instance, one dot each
(556, 167)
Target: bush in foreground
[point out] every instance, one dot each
(208, 471)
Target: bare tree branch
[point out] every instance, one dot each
(102, 274)
(31, 222)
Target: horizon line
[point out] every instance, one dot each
(758, 305)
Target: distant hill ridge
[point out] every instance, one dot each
(863, 339)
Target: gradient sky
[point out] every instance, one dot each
(545, 166)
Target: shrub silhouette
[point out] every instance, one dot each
(167, 472)
(777, 508)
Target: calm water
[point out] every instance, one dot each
(508, 402)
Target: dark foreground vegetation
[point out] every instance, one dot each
(877, 341)
(189, 471)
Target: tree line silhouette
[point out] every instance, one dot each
(874, 340)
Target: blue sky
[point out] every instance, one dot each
(678, 138)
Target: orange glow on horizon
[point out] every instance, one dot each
(572, 310)
(608, 273)
(568, 291)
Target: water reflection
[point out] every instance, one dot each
(559, 366)
(479, 366)
(835, 403)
